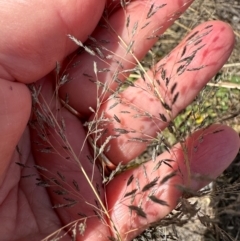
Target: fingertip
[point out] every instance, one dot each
(218, 44)
(225, 31)
(222, 38)
(213, 151)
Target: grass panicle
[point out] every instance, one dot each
(114, 77)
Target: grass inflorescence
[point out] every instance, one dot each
(119, 79)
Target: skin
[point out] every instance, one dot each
(31, 42)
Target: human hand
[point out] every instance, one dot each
(32, 40)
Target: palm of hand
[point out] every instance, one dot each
(27, 209)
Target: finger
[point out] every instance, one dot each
(15, 106)
(217, 148)
(136, 115)
(35, 37)
(126, 36)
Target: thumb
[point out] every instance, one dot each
(15, 106)
(34, 34)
